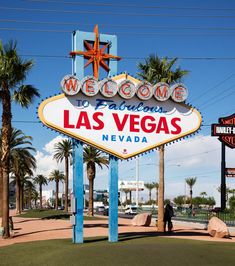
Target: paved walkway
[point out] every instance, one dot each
(28, 229)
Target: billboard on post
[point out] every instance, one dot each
(122, 116)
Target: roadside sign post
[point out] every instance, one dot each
(223, 179)
(225, 130)
(120, 115)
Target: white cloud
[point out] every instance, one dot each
(46, 164)
(195, 152)
(50, 146)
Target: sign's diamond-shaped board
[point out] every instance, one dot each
(124, 128)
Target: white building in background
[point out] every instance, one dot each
(130, 185)
(46, 196)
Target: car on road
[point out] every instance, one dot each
(99, 209)
(131, 210)
(106, 211)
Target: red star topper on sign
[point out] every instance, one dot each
(96, 55)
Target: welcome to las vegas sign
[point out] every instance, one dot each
(121, 116)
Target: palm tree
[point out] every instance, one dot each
(35, 196)
(232, 191)
(13, 72)
(93, 157)
(17, 138)
(191, 182)
(179, 201)
(150, 187)
(203, 194)
(156, 186)
(56, 176)
(63, 151)
(40, 180)
(29, 188)
(156, 70)
(227, 191)
(22, 163)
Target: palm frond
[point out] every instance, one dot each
(157, 70)
(25, 95)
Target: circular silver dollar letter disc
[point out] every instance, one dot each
(144, 90)
(70, 85)
(126, 89)
(108, 87)
(89, 86)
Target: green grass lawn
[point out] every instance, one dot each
(128, 251)
(53, 214)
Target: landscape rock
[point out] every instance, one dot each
(217, 228)
(142, 219)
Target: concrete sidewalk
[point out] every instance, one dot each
(28, 229)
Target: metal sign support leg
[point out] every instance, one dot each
(113, 199)
(78, 190)
(223, 179)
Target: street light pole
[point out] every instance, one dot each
(137, 181)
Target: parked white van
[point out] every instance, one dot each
(131, 210)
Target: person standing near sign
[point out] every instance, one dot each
(168, 214)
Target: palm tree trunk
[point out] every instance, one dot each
(56, 194)
(17, 193)
(0, 190)
(91, 200)
(21, 197)
(30, 198)
(66, 182)
(150, 196)
(157, 196)
(191, 199)
(161, 190)
(5, 160)
(130, 197)
(40, 191)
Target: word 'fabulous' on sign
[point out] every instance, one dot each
(126, 87)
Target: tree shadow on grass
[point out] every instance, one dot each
(64, 216)
(96, 239)
(103, 225)
(96, 225)
(181, 233)
(40, 231)
(136, 235)
(25, 221)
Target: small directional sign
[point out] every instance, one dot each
(230, 172)
(225, 130)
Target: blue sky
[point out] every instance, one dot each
(200, 33)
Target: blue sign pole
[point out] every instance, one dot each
(113, 198)
(78, 191)
(78, 187)
(78, 69)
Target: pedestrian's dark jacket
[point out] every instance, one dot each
(168, 213)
